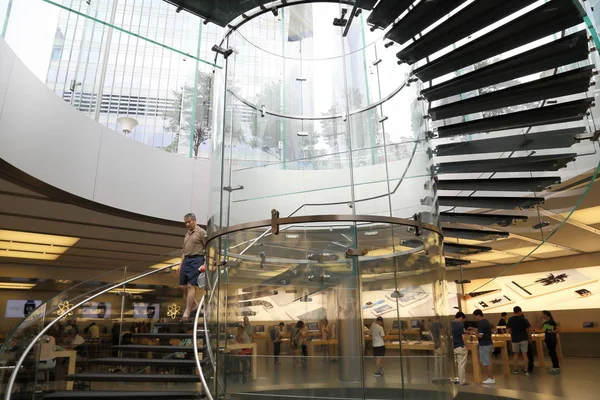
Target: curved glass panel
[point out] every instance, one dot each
(304, 274)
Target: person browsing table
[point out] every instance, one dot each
(484, 333)
(192, 263)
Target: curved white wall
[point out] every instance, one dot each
(51, 141)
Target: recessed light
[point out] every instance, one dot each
(16, 286)
(371, 233)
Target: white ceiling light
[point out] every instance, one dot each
(37, 246)
(16, 286)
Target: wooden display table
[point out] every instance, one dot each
(411, 345)
(251, 346)
(473, 347)
(320, 342)
(72, 356)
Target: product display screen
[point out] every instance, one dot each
(95, 309)
(20, 308)
(146, 310)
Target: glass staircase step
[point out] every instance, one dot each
(501, 203)
(500, 184)
(474, 234)
(387, 11)
(481, 219)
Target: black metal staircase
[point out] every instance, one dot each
(148, 362)
(506, 159)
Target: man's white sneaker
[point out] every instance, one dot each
(489, 381)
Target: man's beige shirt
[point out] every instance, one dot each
(193, 243)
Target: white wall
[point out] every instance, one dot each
(48, 139)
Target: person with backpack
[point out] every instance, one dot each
(298, 341)
(276, 333)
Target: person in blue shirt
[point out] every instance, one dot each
(458, 344)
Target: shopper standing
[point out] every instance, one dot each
(458, 343)
(192, 263)
(248, 328)
(550, 329)
(436, 334)
(484, 333)
(520, 335)
(276, 333)
(377, 334)
(501, 327)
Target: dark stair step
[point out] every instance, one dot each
(175, 324)
(455, 262)
(168, 335)
(166, 362)
(118, 377)
(420, 17)
(517, 164)
(465, 249)
(387, 11)
(481, 219)
(474, 234)
(567, 83)
(565, 112)
(156, 349)
(556, 139)
(499, 184)
(120, 394)
(501, 203)
(471, 19)
(552, 17)
(568, 50)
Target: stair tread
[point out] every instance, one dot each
(545, 20)
(143, 361)
(387, 11)
(554, 86)
(157, 348)
(503, 203)
(570, 111)
(553, 139)
(120, 394)
(513, 164)
(471, 19)
(168, 335)
(564, 51)
(131, 377)
(499, 184)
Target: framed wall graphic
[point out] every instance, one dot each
(146, 310)
(95, 309)
(540, 284)
(569, 289)
(20, 308)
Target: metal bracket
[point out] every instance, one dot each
(356, 252)
(232, 189)
(417, 218)
(274, 222)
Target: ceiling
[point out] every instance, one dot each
(106, 242)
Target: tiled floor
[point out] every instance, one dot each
(579, 380)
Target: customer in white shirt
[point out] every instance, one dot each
(377, 335)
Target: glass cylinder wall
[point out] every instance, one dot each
(304, 277)
(324, 127)
(308, 121)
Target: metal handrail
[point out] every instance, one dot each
(195, 343)
(18, 365)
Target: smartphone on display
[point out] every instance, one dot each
(533, 285)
